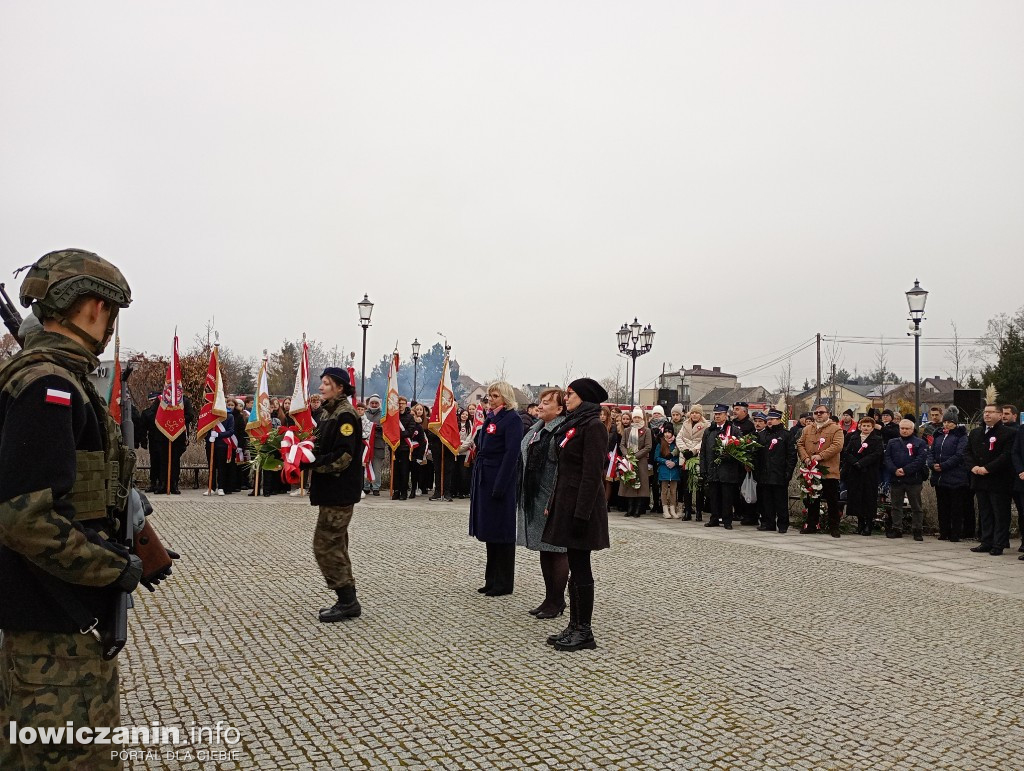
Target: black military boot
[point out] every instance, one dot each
(582, 637)
(347, 606)
(574, 611)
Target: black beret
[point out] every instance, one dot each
(337, 374)
(589, 390)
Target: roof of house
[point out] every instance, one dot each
(732, 395)
(699, 371)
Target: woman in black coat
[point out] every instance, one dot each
(578, 511)
(861, 467)
(492, 499)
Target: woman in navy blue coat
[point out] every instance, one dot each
(950, 476)
(492, 498)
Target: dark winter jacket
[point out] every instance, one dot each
(337, 478)
(776, 460)
(228, 424)
(948, 451)
(861, 463)
(492, 505)
(1017, 461)
(992, 451)
(890, 431)
(743, 427)
(910, 454)
(729, 471)
(578, 513)
(528, 420)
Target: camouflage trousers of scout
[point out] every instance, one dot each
(330, 546)
(47, 680)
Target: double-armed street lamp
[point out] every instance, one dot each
(415, 362)
(916, 299)
(365, 310)
(634, 341)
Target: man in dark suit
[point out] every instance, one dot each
(988, 457)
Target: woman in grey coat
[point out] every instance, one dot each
(537, 467)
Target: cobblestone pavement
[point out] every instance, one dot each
(715, 651)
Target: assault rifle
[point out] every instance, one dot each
(10, 316)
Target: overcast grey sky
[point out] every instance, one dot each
(525, 176)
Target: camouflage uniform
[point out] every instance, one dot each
(58, 484)
(336, 485)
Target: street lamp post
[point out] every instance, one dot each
(634, 342)
(415, 362)
(365, 310)
(916, 299)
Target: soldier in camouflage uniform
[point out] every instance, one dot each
(60, 482)
(336, 485)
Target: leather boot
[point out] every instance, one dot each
(582, 637)
(347, 606)
(574, 612)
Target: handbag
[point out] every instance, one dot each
(749, 489)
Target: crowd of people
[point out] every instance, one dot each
(873, 469)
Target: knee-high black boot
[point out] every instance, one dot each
(582, 637)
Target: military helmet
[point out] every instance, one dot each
(56, 280)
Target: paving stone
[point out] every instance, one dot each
(717, 649)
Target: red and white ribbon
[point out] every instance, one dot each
(910, 449)
(368, 462)
(821, 442)
(295, 452)
(771, 445)
(568, 435)
(491, 428)
(991, 443)
(613, 464)
(863, 447)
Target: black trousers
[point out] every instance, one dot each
(954, 507)
(177, 450)
(420, 475)
(400, 471)
(446, 459)
(158, 464)
(722, 497)
(774, 502)
(830, 495)
(500, 571)
(993, 518)
(462, 476)
(220, 462)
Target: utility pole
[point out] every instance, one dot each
(818, 400)
(835, 390)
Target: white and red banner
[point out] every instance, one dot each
(215, 406)
(390, 424)
(444, 415)
(170, 415)
(259, 423)
(300, 410)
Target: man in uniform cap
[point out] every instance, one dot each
(723, 479)
(776, 461)
(64, 481)
(336, 486)
(743, 426)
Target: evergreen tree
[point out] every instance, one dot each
(1008, 373)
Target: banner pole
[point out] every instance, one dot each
(209, 482)
(170, 449)
(391, 481)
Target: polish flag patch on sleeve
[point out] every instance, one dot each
(55, 396)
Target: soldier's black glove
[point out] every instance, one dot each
(152, 581)
(130, 576)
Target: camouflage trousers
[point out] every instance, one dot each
(330, 546)
(48, 679)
